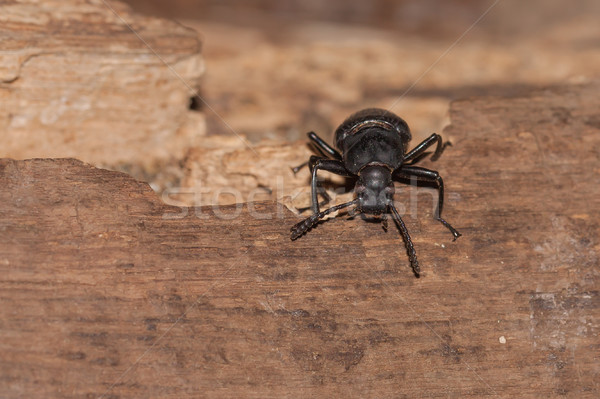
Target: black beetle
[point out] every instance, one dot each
(373, 144)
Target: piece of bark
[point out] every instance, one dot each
(107, 292)
(223, 170)
(92, 80)
(281, 82)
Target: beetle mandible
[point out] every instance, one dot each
(372, 146)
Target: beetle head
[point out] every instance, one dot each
(374, 189)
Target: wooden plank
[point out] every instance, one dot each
(96, 81)
(107, 292)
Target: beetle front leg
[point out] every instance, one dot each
(329, 165)
(410, 248)
(302, 227)
(433, 177)
(320, 190)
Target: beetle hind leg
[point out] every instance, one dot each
(417, 153)
(322, 148)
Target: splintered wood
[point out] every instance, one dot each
(77, 81)
(107, 292)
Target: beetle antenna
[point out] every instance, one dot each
(300, 228)
(412, 254)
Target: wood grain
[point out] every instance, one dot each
(94, 80)
(107, 292)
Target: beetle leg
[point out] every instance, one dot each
(311, 165)
(330, 165)
(433, 177)
(321, 190)
(410, 248)
(302, 227)
(323, 147)
(416, 153)
(296, 169)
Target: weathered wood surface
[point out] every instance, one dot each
(106, 292)
(89, 79)
(279, 78)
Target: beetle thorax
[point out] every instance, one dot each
(374, 189)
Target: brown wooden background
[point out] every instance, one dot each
(105, 292)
